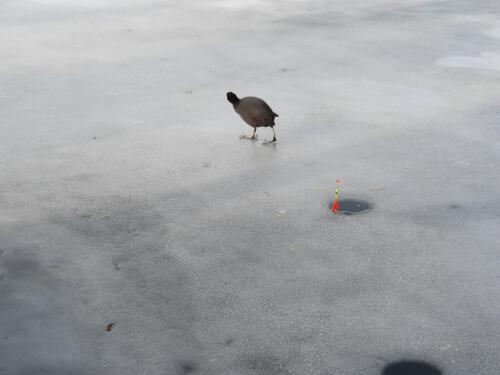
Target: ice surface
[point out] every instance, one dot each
(126, 196)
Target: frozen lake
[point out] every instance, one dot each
(140, 235)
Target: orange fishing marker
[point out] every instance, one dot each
(335, 204)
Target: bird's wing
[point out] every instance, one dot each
(261, 112)
(263, 118)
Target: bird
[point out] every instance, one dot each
(255, 112)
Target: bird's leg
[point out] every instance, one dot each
(253, 136)
(272, 140)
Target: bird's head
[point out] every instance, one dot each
(232, 98)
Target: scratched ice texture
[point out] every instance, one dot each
(127, 198)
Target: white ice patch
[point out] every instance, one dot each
(494, 33)
(241, 4)
(487, 60)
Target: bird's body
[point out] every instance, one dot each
(254, 111)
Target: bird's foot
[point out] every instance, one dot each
(269, 141)
(251, 137)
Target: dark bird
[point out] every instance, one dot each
(255, 112)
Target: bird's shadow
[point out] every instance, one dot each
(268, 143)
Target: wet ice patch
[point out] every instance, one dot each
(351, 206)
(186, 367)
(409, 368)
(487, 60)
